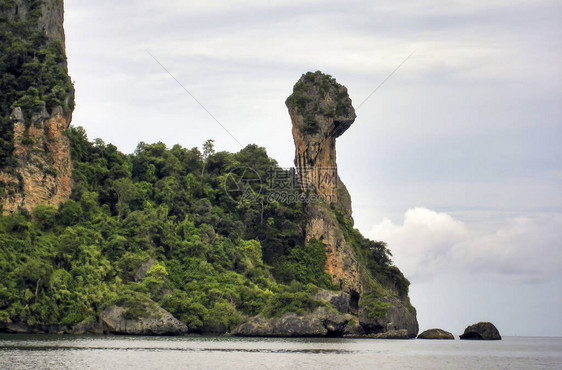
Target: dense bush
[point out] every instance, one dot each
(217, 259)
(379, 274)
(211, 260)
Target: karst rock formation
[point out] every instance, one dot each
(321, 111)
(35, 164)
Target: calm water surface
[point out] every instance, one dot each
(195, 352)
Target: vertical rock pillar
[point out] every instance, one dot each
(321, 111)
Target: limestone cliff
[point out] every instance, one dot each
(36, 106)
(43, 169)
(321, 111)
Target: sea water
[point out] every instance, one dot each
(201, 352)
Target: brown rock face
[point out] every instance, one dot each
(321, 111)
(341, 264)
(43, 168)
(40, 168)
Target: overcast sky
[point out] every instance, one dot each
(455, 162)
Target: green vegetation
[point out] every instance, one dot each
(216, 260)
(379, 275)
(157, 226)
(376, 309)
(32, 71)
(299, 98)
(310, 125)
(307, 264)
(343, 103)
(208, 259)
(316, 84)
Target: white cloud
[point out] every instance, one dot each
(525, 248)
(430, 243)
(423, 243)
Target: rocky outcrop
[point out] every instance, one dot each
(86, 327)
(154, 321)
(391, 334)
(143, 270)
(323, 322)
(341, 264)
(21, 328)
(340, 300)
(43, 168)
(481, 331)
(39, 168)
(436, 334)
(388, 314)
(50, 21)
(396, 321)
(321, 111)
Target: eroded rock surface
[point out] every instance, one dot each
(323, 322)
(436, 334)
(481, 331)
(39, 169)
(391, 334)
(321, 111)
(42, 173)
(391, 316)
(154, 321)
(86, 327)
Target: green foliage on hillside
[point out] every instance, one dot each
(32, 70)
(311, 87)
(376, 309)
(378, 273)
(217, 259)
(307, 264)
(155, 226)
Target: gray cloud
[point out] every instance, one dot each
(429, 243)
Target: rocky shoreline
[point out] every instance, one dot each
(96, 328)
(334, 318)
(331, 320)
(322, 322)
